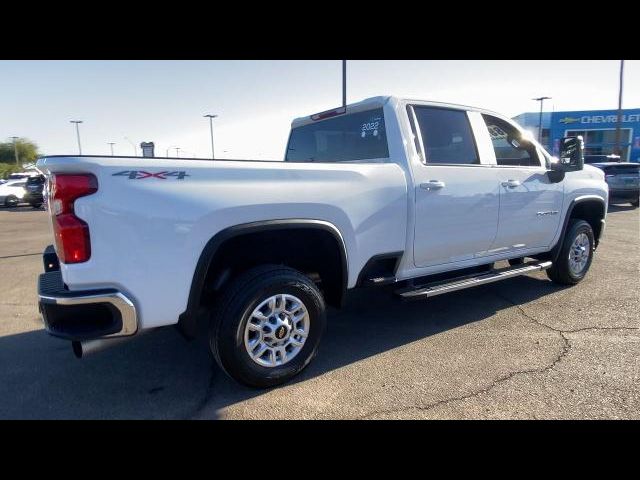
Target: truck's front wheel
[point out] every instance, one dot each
(575, 256)
(267, 325)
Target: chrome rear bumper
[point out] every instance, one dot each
(83, 315)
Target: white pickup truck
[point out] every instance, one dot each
(423, 195)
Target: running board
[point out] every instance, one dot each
(438, 288)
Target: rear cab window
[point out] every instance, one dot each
(446, 136)
(359, 136)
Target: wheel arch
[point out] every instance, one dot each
(590, 208)
(214, 248)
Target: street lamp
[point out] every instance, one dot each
(211, 117)
(541, 100)
(618, 150)
(77, 122)
(344, 83)
(135, 150)
(111, 144)
(177, 152)
(15, 148)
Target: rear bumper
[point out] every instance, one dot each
(629, 194)
(33, 197)
(82, 315)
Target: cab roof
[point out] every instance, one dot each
(378, 102)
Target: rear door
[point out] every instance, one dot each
(530, 204)
(456, 194)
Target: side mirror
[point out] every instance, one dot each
(571, 155)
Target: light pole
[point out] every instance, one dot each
(15, 148)
(177, 152)
(135, 150)
(211, 117)
(618, 149)
(78, 122)
(541, 100)
(111, 144)
(344, 83)
(167, 151)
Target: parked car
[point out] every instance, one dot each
(623, 179)
(22, 175)
(12, 192)
(35, 187)
(420, 195)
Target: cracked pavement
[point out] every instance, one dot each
(523, 348)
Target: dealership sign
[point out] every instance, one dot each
(589, 119)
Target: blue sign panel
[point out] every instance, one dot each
(598, 128)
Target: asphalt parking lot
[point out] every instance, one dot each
(523, 348)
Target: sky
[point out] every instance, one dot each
(164, 101)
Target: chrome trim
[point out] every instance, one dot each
(427, 292)
(125, 306)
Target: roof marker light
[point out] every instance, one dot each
(329, 113)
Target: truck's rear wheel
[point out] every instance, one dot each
(575, 256)
(267, 325)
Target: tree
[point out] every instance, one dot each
(27, 151)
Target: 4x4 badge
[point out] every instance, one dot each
(141, 174)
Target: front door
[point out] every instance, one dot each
(530, 204)
(456, 197)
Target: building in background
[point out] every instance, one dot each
(597, 127)
(147, 149)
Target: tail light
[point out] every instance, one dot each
(73, 243)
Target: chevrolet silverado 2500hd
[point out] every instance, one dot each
(426, 196)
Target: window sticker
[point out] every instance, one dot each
(370, 128)
(496, 132)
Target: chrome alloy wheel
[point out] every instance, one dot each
(579, 254)
(276, 330)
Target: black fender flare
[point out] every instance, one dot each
(555, 251)
(187, 321)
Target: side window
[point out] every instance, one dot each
(508, 145)
(446, 136)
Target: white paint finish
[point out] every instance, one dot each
(521, 226)
(457, 221)
(147, 235)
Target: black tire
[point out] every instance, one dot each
(234, 309)
(11, 201)
(635, 203)
(36, 204)
(560, 272)
(516, 261)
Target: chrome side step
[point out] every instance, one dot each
(438, 288)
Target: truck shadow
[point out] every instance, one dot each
(161, 376)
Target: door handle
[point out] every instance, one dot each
(511, 183)
(432, 185)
